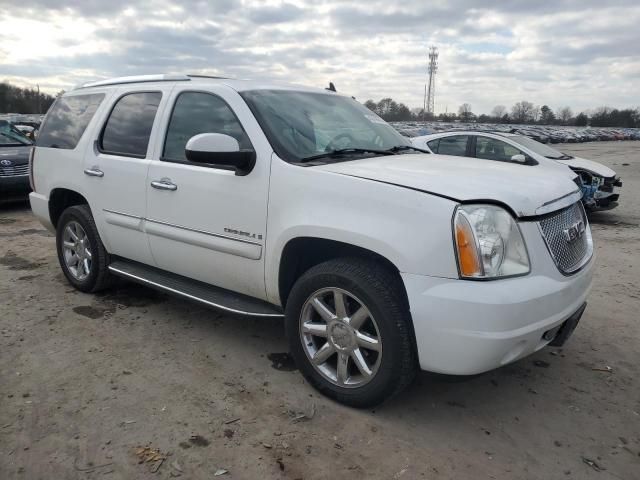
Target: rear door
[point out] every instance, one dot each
(116, 165)
(203, 221)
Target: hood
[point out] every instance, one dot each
(588, 165)
(528, 191)
(16, 155)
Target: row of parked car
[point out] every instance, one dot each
(539, 133)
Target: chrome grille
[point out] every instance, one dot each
(14, 171)
(569, 248)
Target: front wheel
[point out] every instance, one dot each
(349, 331)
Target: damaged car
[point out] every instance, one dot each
(599, 184)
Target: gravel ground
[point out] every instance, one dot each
(88, 382)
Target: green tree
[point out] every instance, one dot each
(581, 120)
(547, 117)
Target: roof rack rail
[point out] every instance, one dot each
(135, 79)
(195, 75)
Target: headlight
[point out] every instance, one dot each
(488, 243)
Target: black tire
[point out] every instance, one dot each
(99, 277)
(382, 292)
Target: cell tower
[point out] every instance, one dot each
(430, 90)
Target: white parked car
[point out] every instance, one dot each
(285, 201)
(599, 184)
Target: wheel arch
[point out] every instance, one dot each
(301, 253)
(62, 198)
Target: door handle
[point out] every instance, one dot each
(94, 172)
(164, 184)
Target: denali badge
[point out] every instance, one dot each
(6, 163)
(257, 236)
(574, 232)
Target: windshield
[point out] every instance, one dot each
(539, 148)
(9, 135)
(300, 125)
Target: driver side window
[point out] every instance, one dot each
(195, 113)
(493, 149)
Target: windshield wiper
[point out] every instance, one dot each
(346, 151)
(401, 148)
(561, 157)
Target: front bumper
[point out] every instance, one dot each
(467, 327)
(14, 185)
(603, 197)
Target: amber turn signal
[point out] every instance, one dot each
(468, 259)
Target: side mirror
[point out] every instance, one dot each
(220, 149)
(518, 158)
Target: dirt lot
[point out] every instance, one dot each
(87, 381)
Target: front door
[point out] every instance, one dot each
(204, 221)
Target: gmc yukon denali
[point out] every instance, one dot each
(284, 201)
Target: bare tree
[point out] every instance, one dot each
(498, 111)
(536, 113)
(565, 114)
(523, 112)
(465, 113)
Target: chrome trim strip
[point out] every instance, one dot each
(192, 297)
(567, 200)
(204, 232)
(123, 214)
(242, 240)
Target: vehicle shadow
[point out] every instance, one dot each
(11, 205)
(510, 385)
(608, 218)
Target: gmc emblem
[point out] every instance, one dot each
(574, 232)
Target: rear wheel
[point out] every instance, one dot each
(81, 254)
(349, 331)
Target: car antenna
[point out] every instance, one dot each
(332, 87)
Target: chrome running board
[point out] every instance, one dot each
(209, 295)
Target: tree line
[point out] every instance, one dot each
(523, 112)
(30, 101)
(23, 100)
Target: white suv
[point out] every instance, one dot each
(279, 200)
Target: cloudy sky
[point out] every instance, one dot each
(583, 53)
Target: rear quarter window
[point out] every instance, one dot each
(67, 120)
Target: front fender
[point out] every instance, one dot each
(409, 228)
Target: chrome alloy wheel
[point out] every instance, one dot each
(340, 337)
(76, 250)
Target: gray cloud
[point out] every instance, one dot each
(490, 53)
(267, 15)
